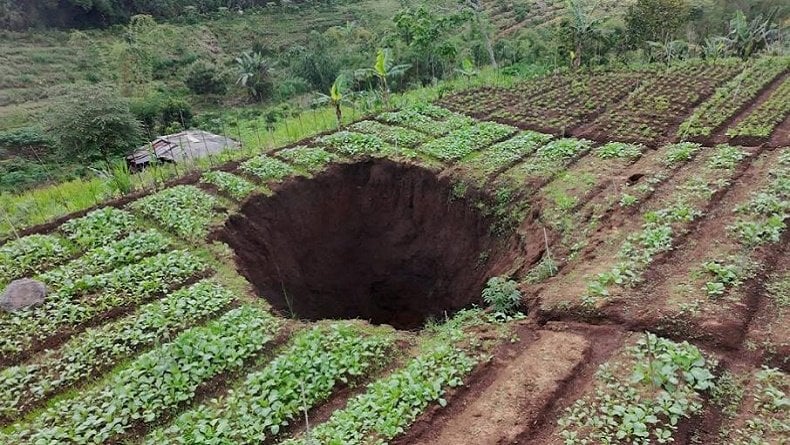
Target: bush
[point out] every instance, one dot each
(204, 77)
(24, 137)
(502, 295)
(158, 112)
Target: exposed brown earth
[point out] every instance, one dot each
(377, 240)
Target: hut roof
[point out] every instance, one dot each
(178, 147)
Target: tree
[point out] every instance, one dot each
(582, 29)
(656, 20)
(383, 70)
(94, 123)
(482, 26)
(337, 96)
(749, 37)
(254, 73)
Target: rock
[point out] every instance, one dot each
(21, 294)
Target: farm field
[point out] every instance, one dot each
(510, 16)
(329, 291)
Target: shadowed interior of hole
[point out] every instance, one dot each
(377, 240)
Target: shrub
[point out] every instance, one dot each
(502, 294)
(204, 77)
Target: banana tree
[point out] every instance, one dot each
(748, 37)
(584, 28)
(384, 69)
(337, 96)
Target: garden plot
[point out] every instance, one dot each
(661, 103)
(617, 257)
(732, 97)
(711, 284)
(562, 109)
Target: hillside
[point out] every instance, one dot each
(329, 291)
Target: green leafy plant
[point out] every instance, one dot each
(502, 295)
(185, 210)
(238, 188)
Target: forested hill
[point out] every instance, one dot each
(24, 14)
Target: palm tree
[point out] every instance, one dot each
(383, 70)
(337, 96)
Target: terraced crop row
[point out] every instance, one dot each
(184, 210)
(564, 108)
(712, 114)
(97, 349)
(646, 114)
(154, 383)
(90, 296)
(762, 121)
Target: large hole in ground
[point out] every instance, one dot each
(375, 240)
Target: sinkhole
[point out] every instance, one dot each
(377, 240)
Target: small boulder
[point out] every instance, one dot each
(21, 294)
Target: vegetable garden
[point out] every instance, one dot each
(572, 259)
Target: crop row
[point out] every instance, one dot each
(755, 407)
(731, 97)
(569, 106)
(267, 168)
(663, 225)
(674, 157)
(352, 144)
(101, 348)
(129, 250)
(184, 210)
(392, 403)
(760, 221)
(464, 141)
(309, 159)
(397, 136)
(645, 115)
(236, 187)
(154, 383)
(762, 121)
(31, 254)
(98, 227)
(34, 254)
(429, 119)
(574, 187)
(300, 377)
(91, 295)
(548, 160)
(641, 398)
(486, 163)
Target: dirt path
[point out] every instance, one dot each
(521, 391)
